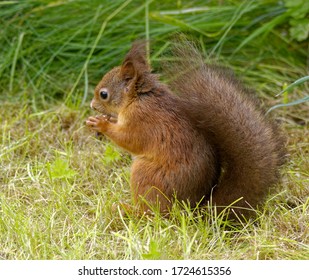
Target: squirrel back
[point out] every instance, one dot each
(200, 138)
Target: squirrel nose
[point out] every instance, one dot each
(91, 105)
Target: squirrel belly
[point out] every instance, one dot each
(202, 137)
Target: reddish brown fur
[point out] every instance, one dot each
(180, 142)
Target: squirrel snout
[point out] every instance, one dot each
(92, 105)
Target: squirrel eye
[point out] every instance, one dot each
(103, 94)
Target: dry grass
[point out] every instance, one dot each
(58, 185)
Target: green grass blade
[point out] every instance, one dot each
(20, 40)
(263, 30)
(245, 7)
(296, 102)
(296, 83)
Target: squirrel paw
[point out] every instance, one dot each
(98, 123)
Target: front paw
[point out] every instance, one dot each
(98, 123)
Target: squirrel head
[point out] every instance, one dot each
(124, 83)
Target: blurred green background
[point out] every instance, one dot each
(58, 50)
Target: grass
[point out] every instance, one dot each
(58, 183)
(57, 191)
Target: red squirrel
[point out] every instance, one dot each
(201, 138)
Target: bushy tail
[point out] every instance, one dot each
(248, 144)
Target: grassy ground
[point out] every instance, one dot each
(58, 183)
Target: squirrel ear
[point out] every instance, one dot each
(135, 63)
(127, 70)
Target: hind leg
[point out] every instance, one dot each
(148, 187)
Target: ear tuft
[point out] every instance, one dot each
(135, 63)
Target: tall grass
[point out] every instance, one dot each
(59, 184)
(50, 49)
